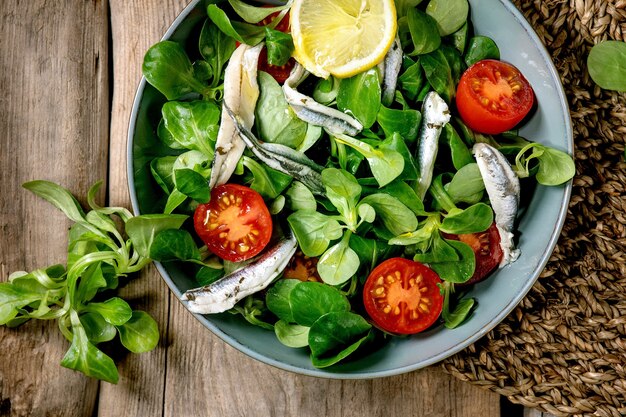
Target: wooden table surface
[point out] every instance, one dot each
(68, 75)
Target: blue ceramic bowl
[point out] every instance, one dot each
(538, 231)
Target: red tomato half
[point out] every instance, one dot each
(402, 296)
(493, 96)
(236, 224)
(486, 247)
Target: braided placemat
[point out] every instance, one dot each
(563, 349)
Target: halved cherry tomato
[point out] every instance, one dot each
(493, 96)
(236, 224)
(402, 296)
(486, 247)
(302, 267)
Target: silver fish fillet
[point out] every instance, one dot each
(503, 188)
(391, 66)
(436, 115)
(241, 91)
(310, 111)
(223, 294)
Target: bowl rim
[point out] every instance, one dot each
(543, 260)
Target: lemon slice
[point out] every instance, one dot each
(342, 37)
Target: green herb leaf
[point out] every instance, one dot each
(450, 15)
(292, 335)
(59, 197)
(424, 32)
(311, 300)
(396, 217)
(142, 229)
(479, 48)
(140, 333)
(278, 299)
(339, 263)
(114, 310)
(167, 67)
(360, 96)
(314, 231)
(607, 65)
(335, 336)
(174, 244)
(279, 46)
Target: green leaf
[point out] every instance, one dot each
(460, 314)
(59, 197)
(174, 244)
(326, 89)
(299, 197)
(90, 282)
(13, 298)
(252, 14)
(278, 301)
(403, 6)
(385, 164)
(479, 48)
(208, 275)
(343, 191)
(162, 170)
(474, 219)
(555, 167)
(606, 64)
(360, 96)
(192, 184)
(266, 181)
(396, 143)
(311, 300)
(450, 15)
(412, 81)
(339, 263)
(194, 125)
(459, 271)
(314, 231)
(424, 32)
(466, 184)
(396, 217)
(459, 152)
(142, 229)
(85, 357)
(275, 120)
(97, 329)
(216, 48)
(439, 74)
(292, 335)
(279, 46)
(335, 336)
(114, 310)
(403, 122)
(140, 333)
(167, 67)
(241, 32)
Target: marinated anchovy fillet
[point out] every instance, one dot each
(241, 91)
(503, 188)
(282, 158)
(223, 294)
(391, 66)
(435, 115)
(310, 111)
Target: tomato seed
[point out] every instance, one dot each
(387, 309)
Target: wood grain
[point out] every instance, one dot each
(54, 125)
(193, 372)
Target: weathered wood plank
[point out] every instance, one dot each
(135, 26)
(54, 124)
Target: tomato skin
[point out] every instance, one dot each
(486, 247)
(398, 300)
(280, 73)
(493, 96)
(235, 224)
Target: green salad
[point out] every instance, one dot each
(340, 211)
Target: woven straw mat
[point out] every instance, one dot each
(563, 349)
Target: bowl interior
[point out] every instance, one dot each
(538, 228)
